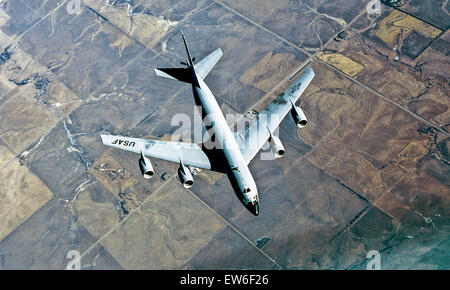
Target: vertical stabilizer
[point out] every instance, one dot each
(190, 60)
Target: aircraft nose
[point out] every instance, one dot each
(254, 209)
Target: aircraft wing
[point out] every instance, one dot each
(190, 153)
(251, 139)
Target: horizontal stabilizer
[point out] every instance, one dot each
(203, 67)
(180, 74)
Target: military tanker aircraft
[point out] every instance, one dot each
(236, 149)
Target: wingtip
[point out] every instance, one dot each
(311, 71)
(104, 138)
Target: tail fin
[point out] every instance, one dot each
(190, 60)
(188, 75)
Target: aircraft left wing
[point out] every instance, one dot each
(190, 153)
(252, 138)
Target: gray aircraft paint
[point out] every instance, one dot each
(232, 151)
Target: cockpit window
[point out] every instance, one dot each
(247, 190)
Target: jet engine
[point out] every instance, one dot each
(146, 167)
(185, 175)
(299, 116)
(276, 146)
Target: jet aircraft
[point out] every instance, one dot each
(237, 148)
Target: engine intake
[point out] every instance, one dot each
(185, 176)
(276, 146)
(146, 167)
(299, 117)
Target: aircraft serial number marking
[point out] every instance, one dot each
(295, 88)
(123, 143)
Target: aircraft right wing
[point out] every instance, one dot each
(252, 138)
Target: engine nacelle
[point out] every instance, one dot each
(276, 146)
(146, 167)
(299, 117)
(185, 176)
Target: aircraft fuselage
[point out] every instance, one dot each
(238, 172)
